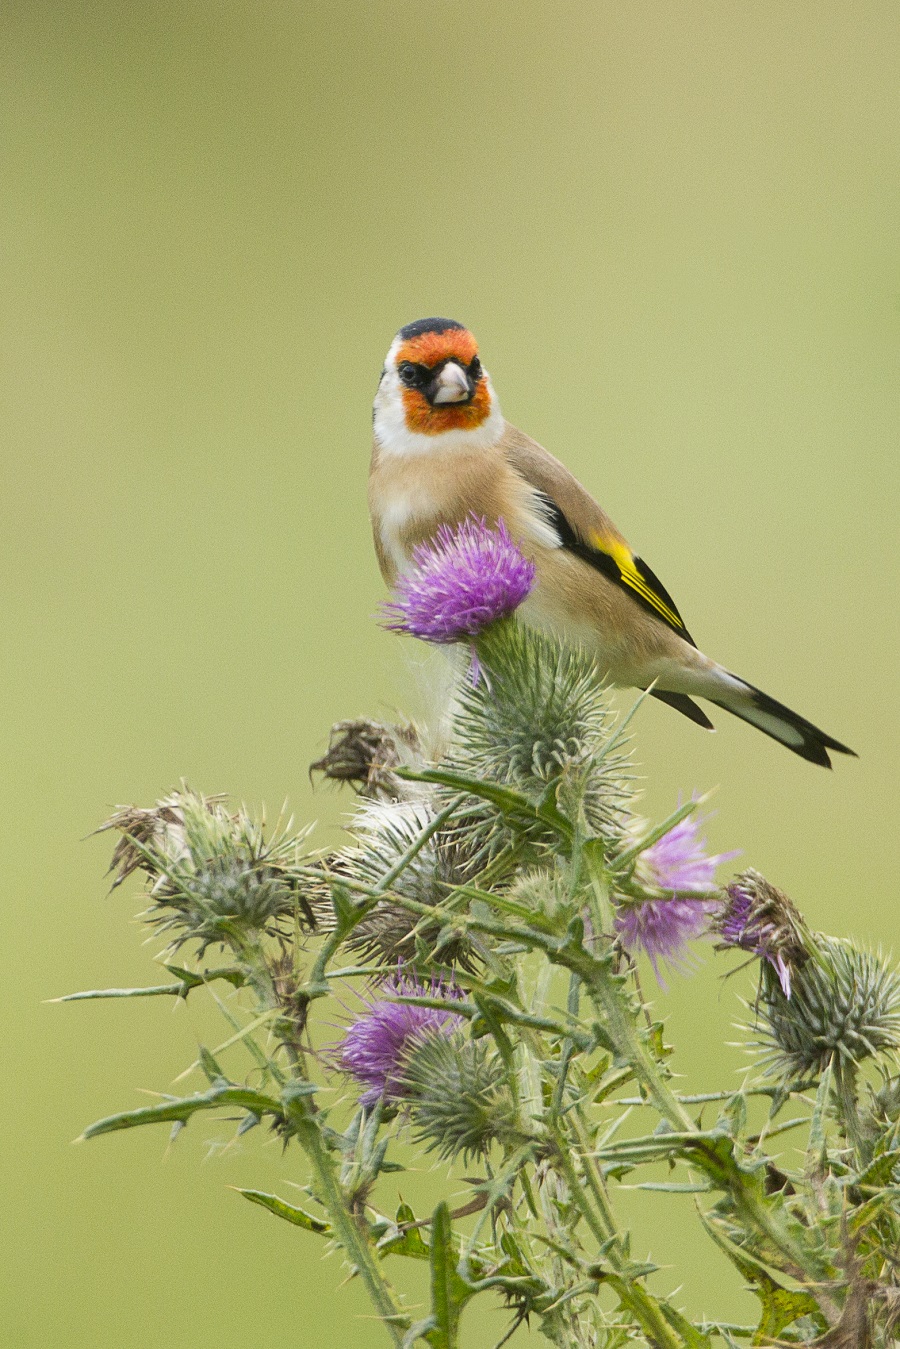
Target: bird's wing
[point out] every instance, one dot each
(585, 530)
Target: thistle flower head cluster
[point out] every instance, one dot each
(482, 880)
(461, 582)
(213, 875)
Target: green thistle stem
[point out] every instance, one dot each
(642, 1305)
(305, 1127)
(356, 1245)
(605, 992)
(845, 1079)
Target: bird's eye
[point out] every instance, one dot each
(408, 373)
(475, 368)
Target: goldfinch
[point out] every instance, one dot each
(443, 452)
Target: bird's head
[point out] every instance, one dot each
(434, 392)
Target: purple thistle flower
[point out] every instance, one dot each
(679, 861)
(758, 918)
(463, 580)
(376, 1048)
(662, 928)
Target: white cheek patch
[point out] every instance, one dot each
(395, 438)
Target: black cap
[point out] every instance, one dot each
(427, 326)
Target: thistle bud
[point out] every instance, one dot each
(844, 1002)
(459, 1098)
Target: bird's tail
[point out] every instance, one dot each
(778, 721)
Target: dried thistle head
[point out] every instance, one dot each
(365, 753)
(383, 832)
(150, 832)
(756, 916)
(213, 876)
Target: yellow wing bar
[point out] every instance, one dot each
(609, 554)
(638, 577)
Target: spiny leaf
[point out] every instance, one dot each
(210, 1066)
(187, 980)
(183, 1109)
(232, 974)
(665, 1187)
(880, 1172)
(508, 801)
(289, 1212)
(783, 1299)
(406, 1239)
(690, 1335)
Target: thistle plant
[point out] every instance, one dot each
(477, 942)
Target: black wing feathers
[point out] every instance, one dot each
(606, 564)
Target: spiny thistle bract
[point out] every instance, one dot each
(844, 1003)
(213, 875)
(377, 1046)
(539, 716)
(384, 831)
(459, 1098)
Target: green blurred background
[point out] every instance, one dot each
(674, 228)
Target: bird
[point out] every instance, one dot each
(443, 453)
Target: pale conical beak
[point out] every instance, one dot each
(452, 385)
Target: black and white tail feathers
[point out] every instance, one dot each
(767, 715)
(783, 725)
